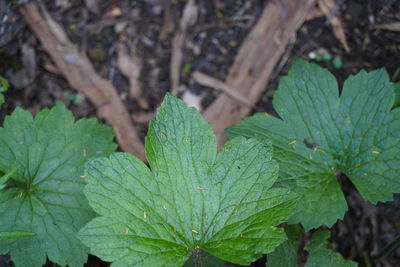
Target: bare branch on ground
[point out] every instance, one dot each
(189, 18)
(79, 72)
(211, 82)
(394, 26)
(329, 8)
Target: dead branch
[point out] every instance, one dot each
(329, 8)
(394, 26)
(189, 18)
(211, 82)
(255, 61)
(79, 72)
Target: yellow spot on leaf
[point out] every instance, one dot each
(292, 142)
(174, 230)
(241, 235)
(144, 215)
(318, 148)
(82, 176)
(375, 152)
(164, 207)
(194, 231)
(126, 230)
(266, 113)
(201, 188)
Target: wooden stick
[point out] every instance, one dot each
(211, 82)
(81, 75)
(255, 61)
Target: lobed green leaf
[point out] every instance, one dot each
(321, 133)
(191, 198)
(42, 192)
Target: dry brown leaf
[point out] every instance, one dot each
(328, 7)
(114, 13)
(192, 100)
(189, 16)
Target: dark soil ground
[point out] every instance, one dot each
(213, 41)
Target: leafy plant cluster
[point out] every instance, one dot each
(64, 192)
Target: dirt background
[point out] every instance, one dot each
(145, 29)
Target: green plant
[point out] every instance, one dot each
(322, 135)
(318, 248)
(192, 199)
(41, 192)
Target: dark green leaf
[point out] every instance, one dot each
(286, 254)
(44, 194)
(321, 255)
(192, 199)
(321, 133)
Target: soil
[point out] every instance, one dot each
(211, 44)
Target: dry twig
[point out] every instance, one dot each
(81, 75)
(394, 26)
(189, 18)
(211, 82)
(131, 66)
(328, 7)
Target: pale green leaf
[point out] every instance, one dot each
(321, 134)
(44, 157)
(191, 199)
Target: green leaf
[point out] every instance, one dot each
(14, 234)
(321, 133)
(319, 252)
(286, 254)
(3, 87)
(321, 255)
(44, 195)
(192, 199)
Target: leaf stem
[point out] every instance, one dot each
(352, 233)
(197, 258)
(366, 259)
